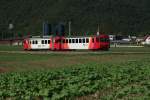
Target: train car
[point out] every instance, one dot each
(100, 42)
(37, 43)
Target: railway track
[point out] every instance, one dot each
(73, 52)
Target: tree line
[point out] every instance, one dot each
(129, 17)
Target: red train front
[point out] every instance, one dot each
(100, 42)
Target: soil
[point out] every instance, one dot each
(3, 70)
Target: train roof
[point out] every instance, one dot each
(83, 36)
(47, 37)
(40, 37)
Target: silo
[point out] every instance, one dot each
(60, 30)
(46, 29)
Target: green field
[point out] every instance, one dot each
(105, 75)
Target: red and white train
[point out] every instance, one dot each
(100, 42)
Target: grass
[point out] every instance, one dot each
(25, 62)
(10, 48)
(129, 49)
(17, 61)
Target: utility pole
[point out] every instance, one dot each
(10, 28)
(97, 30)
(69, 28)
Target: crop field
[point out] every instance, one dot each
(81, 76)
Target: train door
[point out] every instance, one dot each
(25, 44)
(94, 43)
(97, 42)
(59, 43)
(56, 43)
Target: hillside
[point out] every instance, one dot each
(113, 16)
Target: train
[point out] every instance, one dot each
(96, 42)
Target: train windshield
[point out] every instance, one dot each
(104, 39)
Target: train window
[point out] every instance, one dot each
(56, 41)
(63, 40)
(93, 40)
(104, 40)
(66, 40)
(87, 40)
(42, 41)
(59, 40)
(80, 41)
(76, 40)
(69, 40)
(32, 42)
(45, 41)
(36, 42)
(83, 40)
(48, 41)
(97, 39)
(73, 40)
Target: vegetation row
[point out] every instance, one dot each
(130, 80)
